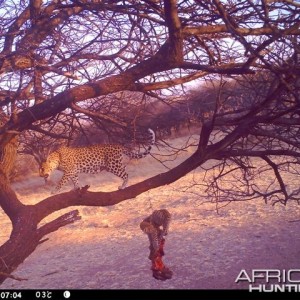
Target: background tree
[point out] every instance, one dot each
(63, 61)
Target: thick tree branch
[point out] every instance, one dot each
(61, 221)
(144, 87)
(223, 69)
(222, 28)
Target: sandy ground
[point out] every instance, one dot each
(206, 248)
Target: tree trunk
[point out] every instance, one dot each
(25, 235)
(23, 241)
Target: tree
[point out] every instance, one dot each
(58, 56)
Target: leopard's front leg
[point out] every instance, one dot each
(66, 177)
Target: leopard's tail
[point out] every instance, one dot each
(138, 155)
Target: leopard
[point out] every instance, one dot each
(91, 159)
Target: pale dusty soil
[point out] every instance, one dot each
(205, 249)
